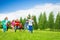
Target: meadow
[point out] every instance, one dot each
(25, 35)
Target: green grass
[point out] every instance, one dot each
(25, 35)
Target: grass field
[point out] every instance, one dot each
(25, 35)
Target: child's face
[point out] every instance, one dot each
(13, 20)
(17, 20)
(6, 18)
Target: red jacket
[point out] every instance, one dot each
(17, 23)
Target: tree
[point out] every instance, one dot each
(35, 26)
(23, 21)
(0, 24)
(57, 22)
(44, 18)
(51, 21)
(40, 21)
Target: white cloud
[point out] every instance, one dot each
(36, 10)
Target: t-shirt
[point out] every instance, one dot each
(4, 22)
(30, 22)
(12, 23)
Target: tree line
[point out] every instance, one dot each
(44, 23)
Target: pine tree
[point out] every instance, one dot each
(44, 21)
(21, 19)
(57, 22)
(40, 21)
(0, 24)
(35, 26)
(51, 21)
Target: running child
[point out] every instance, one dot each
(4, 24)
(13, 24)
(26, 25)
(31, 24)
(17, 24)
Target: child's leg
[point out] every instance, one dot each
(25, 27)
(15, 28)
(31, 29)
(4, 28)
(7, 28)
(12, 27)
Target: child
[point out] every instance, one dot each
(26, 25)
(17, 23)
(13, 24)
(4, 24)
(30, 25)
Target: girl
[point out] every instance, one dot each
(4, 24)
(13, 24)
(17, 23)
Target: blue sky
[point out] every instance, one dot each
(14, 5)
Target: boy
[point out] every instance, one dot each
(31, 24)
(26, 25)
